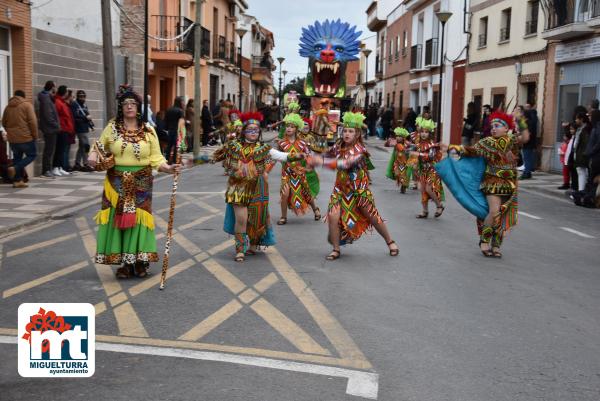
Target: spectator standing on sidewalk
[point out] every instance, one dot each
(486, 126)
(562, 154)
(410, 121)
(49, 125)
(172, 117)
(207, 123)
(387, 119)
(21, 127)
(594, 113)
(592, 152)
(189, 125)
(580, 141)
(67, 128)
(529, 147)
(471, 124)
(83, 125)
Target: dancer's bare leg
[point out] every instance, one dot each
(333, 220)
(494, 203)
(285, 196)
(381, 228)
(241, 221)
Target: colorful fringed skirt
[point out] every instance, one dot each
(125, 222)
(300, 185)
(349, 203)
(253, 194)
(426, 175)
(502, 182)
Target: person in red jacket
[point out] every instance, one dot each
(67, 130)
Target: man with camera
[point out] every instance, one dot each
(83, 125)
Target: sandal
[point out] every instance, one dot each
(486, 252)
(393, 252)
(251, 252)
(282, 221)
(240, 257)
(141, 269)
(317, 214)
(125, 271)
(423, 215)
(438, 211)
(335, 254)
(496, 253)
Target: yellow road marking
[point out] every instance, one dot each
(128, 321)
(154, 280)
(213, 321)
(186, 244)
(198, 221)
(42, 280)
(221, 247)
(100, 307)
(224, 276)
(44, 226)
(199, 202)
(287, 328)
(29, 248)
(248, 296)
(266, 282)
(334, 331)
(117, 299)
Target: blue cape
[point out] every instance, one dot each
(463, 178)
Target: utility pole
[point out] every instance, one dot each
(108, 60)
(197, 123)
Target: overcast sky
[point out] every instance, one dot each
(285, 18)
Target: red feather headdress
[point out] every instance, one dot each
(506, 118)
(234, 111)
(308, 121)
(251, 117)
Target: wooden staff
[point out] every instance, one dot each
(165, 266)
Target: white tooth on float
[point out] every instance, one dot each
(328, 88)
(335, 68)
(321, 89)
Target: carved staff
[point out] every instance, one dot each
(179, 149)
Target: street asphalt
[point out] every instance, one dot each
(438, 322)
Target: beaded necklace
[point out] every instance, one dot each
(133, 137)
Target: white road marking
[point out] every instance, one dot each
(584, 235)
(360, 384)
(531, 216)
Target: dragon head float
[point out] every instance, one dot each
(329, 46)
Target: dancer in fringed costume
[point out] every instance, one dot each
(352, 208)
(321, 127)
(426, 153)
(398, 168)
(498, 180)
(247, 196)
(297, 191)
(125, 222)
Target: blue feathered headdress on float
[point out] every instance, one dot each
(329, 46)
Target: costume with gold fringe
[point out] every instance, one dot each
(351, 193)
(125, 221)
(397, 166)
(499, 178)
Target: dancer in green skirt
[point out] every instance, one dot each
(125, 223)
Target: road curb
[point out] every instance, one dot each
(57, 213)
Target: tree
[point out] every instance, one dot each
(296, 84)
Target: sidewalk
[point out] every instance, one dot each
(46, 199)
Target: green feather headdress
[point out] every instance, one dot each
(399, 131)
(294, 118)
(353, 120)
(429, 125)
(238, 123)
(293, 107)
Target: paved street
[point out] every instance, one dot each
(439, 322)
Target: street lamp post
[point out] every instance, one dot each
(284, 74)
(281, 60)
(443, 17)
(241, 32)
(366, 52)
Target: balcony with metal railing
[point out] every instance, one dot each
(178, 51)
(416, 57)
(504, 34)
(431, 52)
(568, 19)
(262, 69)
(531, 27)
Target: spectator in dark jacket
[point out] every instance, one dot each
(83, 124)
(579, 160)
(471, 124)
(21, 127)
(410, 121)
(49, 125)
(387, 119)
(207, 123)
(172, 119)
(592, 152)
(486, 126)
(529, 147)
(67, 128)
